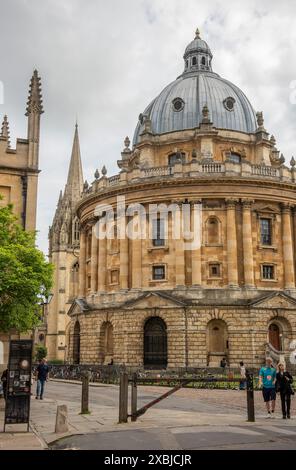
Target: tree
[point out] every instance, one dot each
(25, 275)
(41, 352)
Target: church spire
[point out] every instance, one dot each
(33, 112)
(74, 186)
(34, 104)
(5, 130)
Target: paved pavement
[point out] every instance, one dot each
(190, 419)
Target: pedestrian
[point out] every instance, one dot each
(243, 376)
(267, 379)
(41, 377)
(284, 382)
(4, 380)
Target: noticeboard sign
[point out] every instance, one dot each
(18, 395)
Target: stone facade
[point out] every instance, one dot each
(19, 170)
(152, 301)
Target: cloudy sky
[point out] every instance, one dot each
(104, 61)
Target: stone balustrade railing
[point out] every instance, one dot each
(196, 169)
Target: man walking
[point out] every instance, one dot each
(243, 376)
(41, 376)
(267, 379)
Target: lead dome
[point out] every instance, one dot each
(179, 106)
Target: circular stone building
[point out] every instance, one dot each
(151, 301)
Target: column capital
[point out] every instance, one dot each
(286, 207)
(247, 203)
(231, 203)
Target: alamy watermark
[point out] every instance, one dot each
(158, 222)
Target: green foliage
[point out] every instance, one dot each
(40, 352)
(57, 362)
(25, 275)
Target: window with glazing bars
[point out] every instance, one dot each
(158, 273)
(158, 232)
(267, 271)
(266, 231)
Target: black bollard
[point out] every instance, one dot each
(250, 398)
(123, 397)
(85, 393)
(134, 396)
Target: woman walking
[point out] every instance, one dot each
(283, 385)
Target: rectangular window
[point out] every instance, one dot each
(158, 232)
(158, 273)
(267, 271)
(266, 231)
(114, 277)
(215, 270)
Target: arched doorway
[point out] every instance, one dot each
(155, 343)
(76, 343)
(274, 336)
(217, 342)
(106, 343)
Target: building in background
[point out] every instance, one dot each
(19, 168)
(63, 253)
(151, 303)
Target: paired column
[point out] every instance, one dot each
(288, 258)
(137, 253)
(196, 229)
(82, 263)
(124, 261)
(94, 259)
(179, 246)
(231, 243)
(102, 258)
(248, 244)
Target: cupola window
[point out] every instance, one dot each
(194, 61)
(178, 104)
(234, 158)
(229, 103)
(203, 61)
(177, 157)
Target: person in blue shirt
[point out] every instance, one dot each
(41, 375)
(267, 379)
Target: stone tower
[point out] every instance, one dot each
(19, 170)
(63, 253)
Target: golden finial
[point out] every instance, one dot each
(197, 34)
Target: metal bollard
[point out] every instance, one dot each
(134, 397)
(250, 398)
(85, 393)
(123, 397)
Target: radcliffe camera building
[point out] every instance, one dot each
(151, 302)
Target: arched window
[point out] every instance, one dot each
(203, 61)
(178, 157)
(234, 157)
(76, 231)
(76, 343)
(194, 61)
(155, 343)
(213, 231)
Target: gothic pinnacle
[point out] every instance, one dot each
(34, 104)
(5, 130)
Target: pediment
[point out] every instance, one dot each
(267, 210)
(276, 301)
(155, 300)
(78, 306)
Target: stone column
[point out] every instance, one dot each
(82, 263)
(288, 259)
(248, 244)
(231, 243)
(94, 259)
(102, 263)
(177, 231)
(196, 228)
(124, 260)
(136, 253)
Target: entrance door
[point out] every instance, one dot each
(274, 336)
(155, 343)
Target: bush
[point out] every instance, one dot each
(55, 362)
(41, 352)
